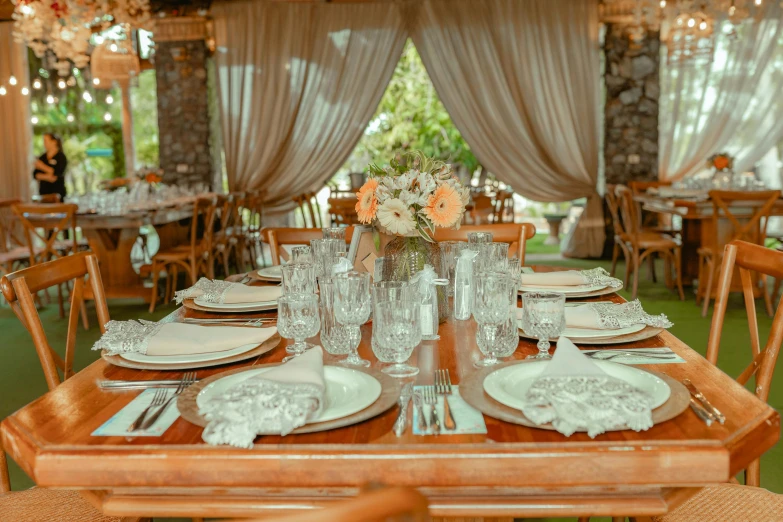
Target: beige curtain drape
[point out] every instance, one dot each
(733, 104)
(298, 84)
(15, 132)
(521, 82)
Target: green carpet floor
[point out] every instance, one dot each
(21, 379)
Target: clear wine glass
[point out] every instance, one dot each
(298, 278)
(449, 253)
(544, 318)
(352, 305)
(302, 254)
(490, 310)
(298, 319)
(396, 332)
(335, 338)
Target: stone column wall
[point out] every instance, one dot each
(631, 109)
(183, 104)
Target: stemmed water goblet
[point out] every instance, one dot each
(396, 332)
(490, 310)
(298, 319)
(352, 306)
(544, 318)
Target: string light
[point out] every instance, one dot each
(107, 117)
(758, 2)
(703, 25)
(96, 81)
(12, 80)
(61, 84)
(109, 99)
(2, 90)
(113, 47)
(25, 91)
(36, 84)
(663, 4)
(34, 120)
(691, 22)
(69, 117)
(87, 97)
(50, 99)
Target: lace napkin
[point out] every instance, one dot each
(611, 316)
(150, 338)
(224, 292)
(594, 276)
(277, 401)
(574, 394)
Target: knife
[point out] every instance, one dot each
(704, 402)
(701, 412)
(138, 385)
(402, 417)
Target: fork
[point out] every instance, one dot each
(431, 398)
(187, 379)
(157, 400)
(443, 387)
(595, 355)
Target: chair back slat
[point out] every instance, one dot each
(204, 212)
(614, 209)
(749, 258)
(516, 234)
(629, 212)
(42, 226)
(18, 289)
(751, 228)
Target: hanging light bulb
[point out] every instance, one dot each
(36, 84)
(96, 81)
(107, 117)
(12, 80)
(69, 117)
(2, 90)
(703, 25)
(25, 91)
(34, 120)
(61, 84)
(663, 4)
(50, 99)
(757, 2)
(113, 47)
(87, 97)
(691, 22)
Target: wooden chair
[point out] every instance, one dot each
(276, 238)
(38, 504)
(308, 205)
(749, 227)
(229, 243)
(254, 208)
(194, 258)
(13, 253)
(342, 211)
(653, 221)
(619, 242)
(640, 245)
(516, 234)
(386, 504)
(483, 210)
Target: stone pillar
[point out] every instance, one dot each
(183, 99)
(631, 111)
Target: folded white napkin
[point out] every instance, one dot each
(224, 292)
(151, 338)
(609, 316)
(573, 393)
(277, 401)
(594, 276)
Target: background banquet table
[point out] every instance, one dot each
(511, 471)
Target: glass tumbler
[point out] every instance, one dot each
(298, 319)
(395, 324)
(352, 306)
(335, 338)
(544, 318)
(298, 278)
(492, 257)
(490, 310)
(302, 255)
(324, 250)
(334, 233)
(449, 253)
(477, 238)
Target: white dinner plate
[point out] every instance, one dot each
(347, 391)
(592, 333)
(271, 272)
(510, 384)
(187, 358)
(256, 306)
(580, 289)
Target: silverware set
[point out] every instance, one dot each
(257, 323)
(160, 401)
(608, 355)
(428, 419)
(138, 385)
(702, 407)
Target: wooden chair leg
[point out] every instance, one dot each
(636, 267)
(766, 295)
(651, 268)
(753, 474)
(5, 480)
(708, 291)
(615, 255)
(155, 277)
(776, 290)
(678, 272)
(60, 304)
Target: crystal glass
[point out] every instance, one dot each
(508, 334)
(383, 291)
(492, 257)
(324, 250)
(544, 318)
(476, 238)
(335, 338)
(302, 255)
(449, 253)
(334, 233)
(298, 319)
(352, 305)
(490, 310)
(298, 278)
(395, 327)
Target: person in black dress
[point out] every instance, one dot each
(50, 167)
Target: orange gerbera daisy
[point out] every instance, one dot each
(444, 206)
(367, 205)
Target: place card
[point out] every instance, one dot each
(117, 426)
(467, 418)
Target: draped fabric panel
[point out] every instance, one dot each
(734, 104)
(298, 84)
(521, 82)
(15, 132)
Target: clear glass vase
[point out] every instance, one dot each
(406, 255)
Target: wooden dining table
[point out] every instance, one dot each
(511, 471)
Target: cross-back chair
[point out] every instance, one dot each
(13, 253)
(483, 211)
(38, 504)
(745, 226)
(385, 504)
(229, 240)
(641, 244)
(254, 205)
(309, 206)
(276, 238)
(194, 258)
(515, 234)
(653, 221)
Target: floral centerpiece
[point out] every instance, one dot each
(720, 161)
(409, 199)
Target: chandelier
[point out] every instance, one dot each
(63, 29)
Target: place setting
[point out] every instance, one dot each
(216, 296)
(573, 284)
